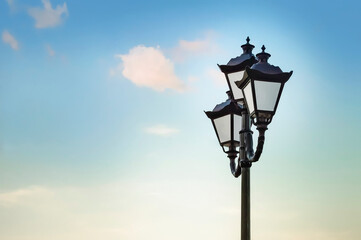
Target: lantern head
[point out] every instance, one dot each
(234, 70)
(226, 119)
(262, 86)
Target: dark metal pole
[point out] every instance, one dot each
(245, 184)
(245, 205)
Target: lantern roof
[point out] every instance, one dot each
(228, 107)
(263, 66)
(239, 63)
(264, 71)
(258, 75)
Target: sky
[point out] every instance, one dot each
(103, 134)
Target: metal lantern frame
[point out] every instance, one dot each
(250, 77)
(231, 108)
(238, 65)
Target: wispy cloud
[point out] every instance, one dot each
(148, 67)
(216, 76)
(10, 3)
(161, 130)
(21, 196)
(107, 211)
(48, 17)
(186, 49)
(49, 50)
(10, 39)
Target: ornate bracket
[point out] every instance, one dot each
(246, 153)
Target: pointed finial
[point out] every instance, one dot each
(263, 56)
(247, 48)
(263, 48)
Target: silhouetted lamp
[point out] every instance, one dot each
(255, 90)
(234, 69)
(226, 118)
(262, 86)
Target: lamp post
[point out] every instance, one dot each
(255, 90)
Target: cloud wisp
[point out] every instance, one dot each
(10, 39)
(50, 50)
(216, 75)
(187, 49)
(48, 17)
(10, 3)
(161, 130)
(22, 196)
(148, 67)
(115, 210)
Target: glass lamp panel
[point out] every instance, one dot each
(223, 127)
(266, 94)
(249, 97)
(233, 77)
(237, 121)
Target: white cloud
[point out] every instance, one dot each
(49, 50)
(9, 39)
(47, 16)
(161, 130)
(148, 67)
(186, 49)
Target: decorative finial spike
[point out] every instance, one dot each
(248, 40)
(263, 48)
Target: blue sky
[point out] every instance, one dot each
(103, 135)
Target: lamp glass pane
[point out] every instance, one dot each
(233, 77)
(266, 94)
(237, 121)
(249, 97)
(223, 127)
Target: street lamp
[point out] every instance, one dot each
(262, 86)
(255, 90)
(234, 69)
(225, 119)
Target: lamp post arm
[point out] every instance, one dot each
(251, 156)
(244, 138)
(236, 170)
(246, 153)
(232, 154)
